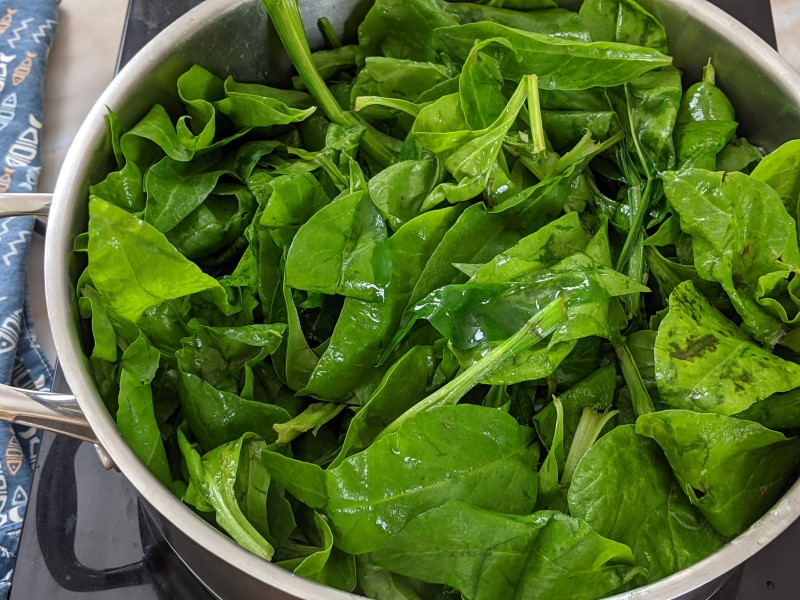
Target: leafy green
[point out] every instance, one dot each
(704, 362)
(125, 252)
(448, 453)
(620, 489)
(741, 235)
(595, 64)
(531, 556)
(732, 470)
(342, 249)
(297, 341)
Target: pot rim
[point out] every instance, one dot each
(62, 306)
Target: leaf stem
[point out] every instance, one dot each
(537, 328)
(535, 115)
(313, 417)
(589, 428)
(285, 16)
(640, 397)
(328, 33)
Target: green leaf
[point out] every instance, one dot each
(136, 417)
(550, 494)
(470, 453)
(732, 470)
(781, 171)
(256, 105)
(404, 29)
(485, 554)
(305, 481)
(404, 384)
(594, 391)
(216, 417)
(214, 478)
(293, 200)
(399, 190)
(705, 363)
(623, 21)
(364, 329)
(621, 488)
(596, 64)
(342, 249)
(134, 267)
(328, 566)
(740, 233)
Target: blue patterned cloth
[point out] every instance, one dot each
(26, 32)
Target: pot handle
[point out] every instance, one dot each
(45, 410)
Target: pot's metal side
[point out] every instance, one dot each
(230, 36)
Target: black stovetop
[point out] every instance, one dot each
(86, 536)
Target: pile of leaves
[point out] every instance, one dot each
(488, 306)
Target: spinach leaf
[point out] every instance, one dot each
(484, 554)
(364, 329)
(342, 249)
(704, 362)
(705, 123)
(399, 190)
(404, 30)
(559, 63)
(256, 105)
(213, 477)
(781, 170)
(732, 470)
(620, 489)
(216, 417)
(623, 21)
(594, 391)
(555, 22)
(470, 453)
(740, 233)
(124, 255)
(293, 200)
(136, 417)
(550, 494)
(552, 243)
(404, 384)
(384, 585)
(329, 565)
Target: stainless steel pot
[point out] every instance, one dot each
(231, 36)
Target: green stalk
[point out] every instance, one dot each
(589, 428)
(313, 417)
(535, 113)
(709, 73)
(538, 327)
(328, 33)
(640, 397)
(285, 16)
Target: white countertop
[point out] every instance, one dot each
(82, 63)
